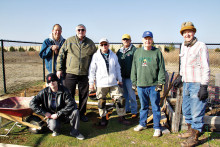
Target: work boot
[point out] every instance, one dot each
(103, 122)
(187, 134)
(191, 141)
(123, 121)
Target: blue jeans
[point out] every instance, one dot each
(146, 93)
(193, 109)
(130, 96)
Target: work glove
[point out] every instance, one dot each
(134, 87)
(178, 82)
(158, 87)
(203, 93)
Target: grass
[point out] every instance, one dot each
(114, 134)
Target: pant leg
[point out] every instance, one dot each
(155, 103)
(143, 93)
(126, 96)
(197, 107)
(186, 105)
(74, 122)
(83, 87)
(70, 83)
(115, 93)
(131, 96)
(101, 93)
(54, 124)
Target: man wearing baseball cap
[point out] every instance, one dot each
(56, 104)
(105, 71)
(148, 74)
(194, 74)
(125, 57)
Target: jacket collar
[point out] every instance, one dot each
(58, 91)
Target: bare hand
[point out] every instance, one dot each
(55, 48)
(59, 74)
(91, 87)
(54, 116)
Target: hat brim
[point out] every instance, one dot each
(187, 28)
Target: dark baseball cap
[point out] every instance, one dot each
(51, 77)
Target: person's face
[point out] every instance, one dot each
(147, 42)
(104, 47)
(126, 42)
(53, 85)
(80, 32)
(188, 35)
(56, 32)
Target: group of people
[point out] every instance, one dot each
(76, 61)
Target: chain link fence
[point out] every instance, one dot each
(21, 65)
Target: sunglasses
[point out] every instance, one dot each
(125, 39)
(81, 30)
(103, 44)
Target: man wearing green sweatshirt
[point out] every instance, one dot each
(148, 74)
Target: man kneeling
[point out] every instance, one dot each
(56, 104)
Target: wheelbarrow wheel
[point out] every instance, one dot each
(34, 120)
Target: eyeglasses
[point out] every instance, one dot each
(103, 44)
(81, 30)
(125, 39)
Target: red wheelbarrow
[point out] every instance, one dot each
(17, 109)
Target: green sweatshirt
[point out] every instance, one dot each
(148, 68)
(76, 56)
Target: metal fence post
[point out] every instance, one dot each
(44, 70)
(3, 66)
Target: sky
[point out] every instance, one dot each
(32, 20)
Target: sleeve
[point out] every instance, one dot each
(204, 60)
(134, 71)
(36, 102)
(45, 51)
(61, 59)
(92, 70)
(118, 69)
(161, 72)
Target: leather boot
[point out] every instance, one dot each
(123, 121)
(187, 134)
(191, 141)
(104, 121)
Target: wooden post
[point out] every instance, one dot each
(177, 115)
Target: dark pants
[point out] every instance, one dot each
(55, 124)
(83, 87)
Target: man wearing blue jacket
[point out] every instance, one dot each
(50, 48)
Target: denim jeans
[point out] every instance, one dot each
(146, 93)
(130, 96)
(193, 109)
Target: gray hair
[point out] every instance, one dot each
(80, 25)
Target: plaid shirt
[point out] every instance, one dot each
(195, 63)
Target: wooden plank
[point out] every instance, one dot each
(178, 107)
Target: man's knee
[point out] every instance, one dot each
(101, 103)
(120, 102)
(53, 124)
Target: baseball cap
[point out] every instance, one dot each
(103, 40)
(51, 77)
(147, 34)
(126, 36)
